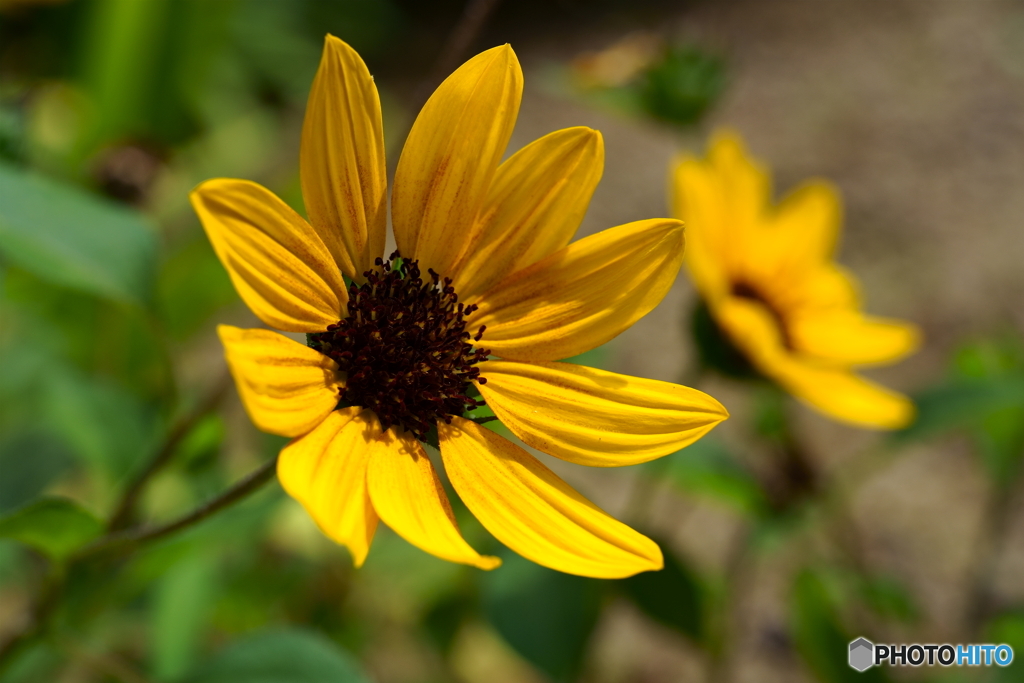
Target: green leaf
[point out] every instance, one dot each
(55, 526)
(280, 656)
(547, 616)
(706, 468)
(445, 617)
(72, 238)
(960, 404)
(183, 602)
(990, 409)
(819, 634)
(192, 286)
(683, 85)
(889, 598)
(107, 427)
(1008, 629)
(30, 460)
(673, 596)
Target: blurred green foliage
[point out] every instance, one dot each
(984, 398)
(55, 526)
(682, 84)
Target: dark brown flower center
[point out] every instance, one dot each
(404, 348)
(745, 290)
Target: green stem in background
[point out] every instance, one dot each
(794, 478)
(736, 573)
(120, 543)
(122, 514)
(984, 602)
(120, 540)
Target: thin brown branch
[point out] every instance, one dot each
(122, 543)
(474, 18)
(133, 537)
(126, 506)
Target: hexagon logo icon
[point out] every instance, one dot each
(862, 653)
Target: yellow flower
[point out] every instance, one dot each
(486, 295)
(767, 276)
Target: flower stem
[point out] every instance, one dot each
(122, 514)
(133, 537)
(121, 543)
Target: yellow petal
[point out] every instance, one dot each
(325, 470)
(535, 204)
(529, 509)
(744, 186)
(693, 203)
(594, 417)
(344, 180)
(823, 287)
(837, 392)
(751, 326)
(583, 295)
(409, 497)
(723, 200)
(286, 388)
(451, 155)
(844, 396)
(278, 264)
(806, 224)
(850, 338)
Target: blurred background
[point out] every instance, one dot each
(112, 110)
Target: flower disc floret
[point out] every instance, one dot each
(404, 348)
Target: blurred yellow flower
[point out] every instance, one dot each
(484, 294)
(767, 276)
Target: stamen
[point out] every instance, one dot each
(403, 347)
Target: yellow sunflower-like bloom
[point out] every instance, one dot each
(767, 276)
(482, 298)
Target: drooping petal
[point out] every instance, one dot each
(344, 178)
(847, 337)
(535, 204)
(752, 328)
(451, 155)
(325, 470)
(594, 417)
(835, 391)
(286, 388)
(845, 396)
(409, 497)
(277, 262)
(583, 295)
(529, 509)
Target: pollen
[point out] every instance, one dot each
(404, 349)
